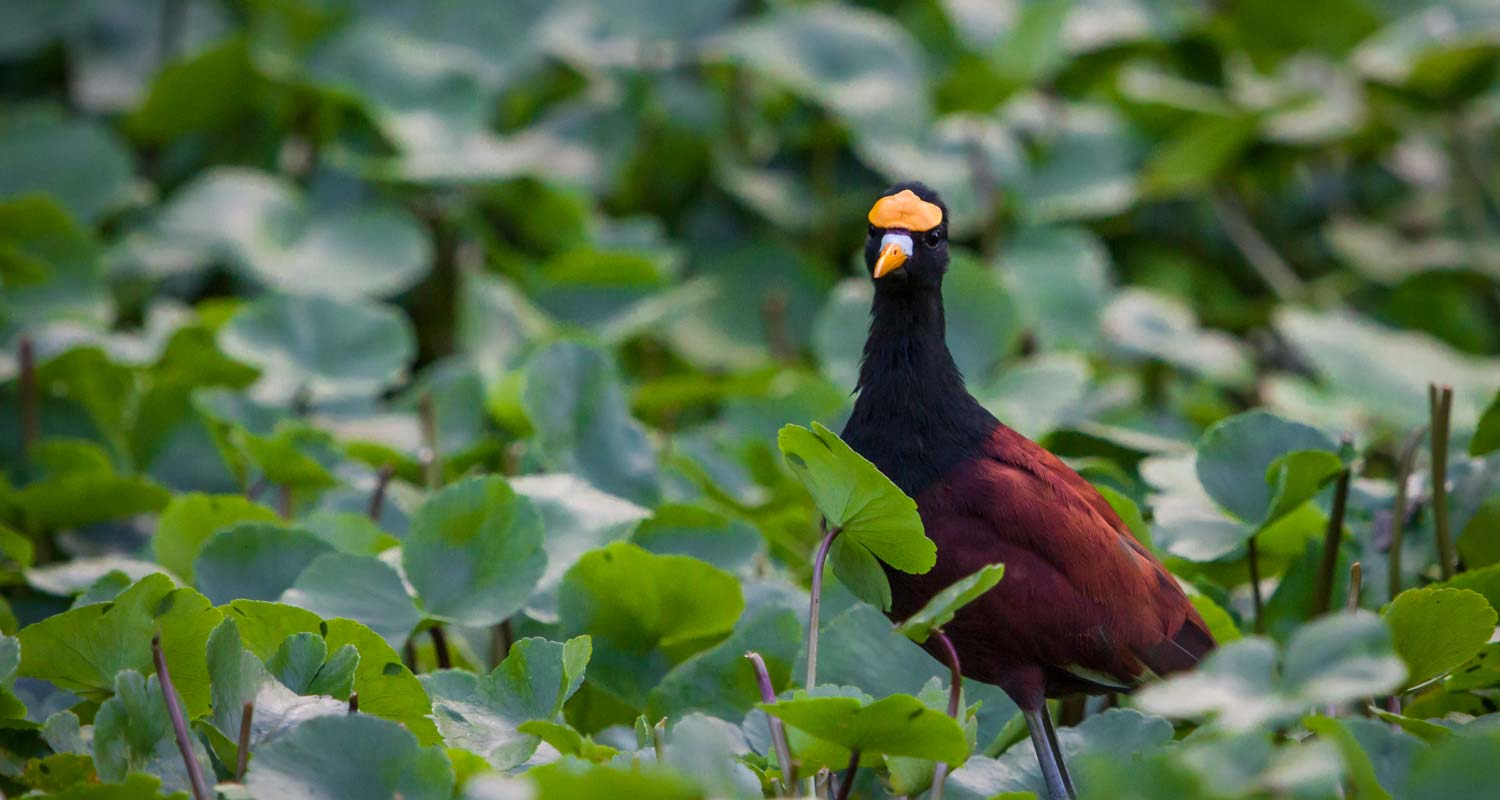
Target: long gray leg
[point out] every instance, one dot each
(1062, 763)
(1037, 724)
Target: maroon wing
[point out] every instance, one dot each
(1081, 597)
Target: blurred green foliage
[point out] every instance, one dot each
(273, 272)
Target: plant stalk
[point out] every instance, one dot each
(430, 461)
(284, 501)
(377, 496)
(179, 722)
(1356, 583)
(30, 425)
(1323, 589)
(659, 740)
(847, 784)
(242, 759)
(778, 731)
(1253, 560)
(440, 647)
(354, 702)
(816, 603)
(1404, 467)
(955, 700)
(1440, 404)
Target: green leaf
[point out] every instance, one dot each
(190, 519)
(386, 687)
(577, 518)
(134, 787)
(254, 561)
(238, 677)
(1149, 324)
(1459, 766)
(1334, 659)
(719, 681)
(1357, 765)
(1486, 438)
(1197, 154)
(261, 225)
(82, 649)
(855, 498)
(350, 532)
(361, 588)
(474, 553)
(78, 499)
(52, 267)
(899, 725)
(1479, 543)
(324, 347)
(860, 572)
(76, 160)
(1120, 735)
(483, 714)
(567, 779)
(568, 741)
(646, 613)
(575, 402)
(1436, 630)
(1061, 280)
(732, 545)
(133, 733)
(1241, 465)
(374, 758)
(940, 609)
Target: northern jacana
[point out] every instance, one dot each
(1083, 606)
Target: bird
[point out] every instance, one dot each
(1084, 606)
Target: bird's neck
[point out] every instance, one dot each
(914, 419)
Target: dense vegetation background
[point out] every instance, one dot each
(274, 272)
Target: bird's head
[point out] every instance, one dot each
(908, 242)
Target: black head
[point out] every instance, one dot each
(908, 241)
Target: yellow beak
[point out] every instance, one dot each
(891, 258)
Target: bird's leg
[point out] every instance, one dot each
(1062, 765)
(1038, 724)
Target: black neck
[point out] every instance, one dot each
(913, 419)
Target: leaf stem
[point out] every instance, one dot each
(242, 758)
(377, 495)
(847, 783)
(659, 740)
(1440, 404)
(354, 702)
(440, 647)
(1356, 583)
(1252, 558)
(778, 731)
(179, 722)
(502, 637)
(430, 460)
(30, 426)
(1404, 467)
(817, 601)
(955, 699)
(284, 501)
(1323, 589)
(1263, 259)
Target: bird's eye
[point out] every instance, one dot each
(933, 238)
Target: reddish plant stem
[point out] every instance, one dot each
(778, 731)
(440, 647)
(1440, 404)
(179, 722)
(377, 496)
(816, 602)
(955, 700)
(242, 759)
(354, 702)
(284, 502)
(30, 426)
(434, 467)
(1323, 589)
(1356, 583)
